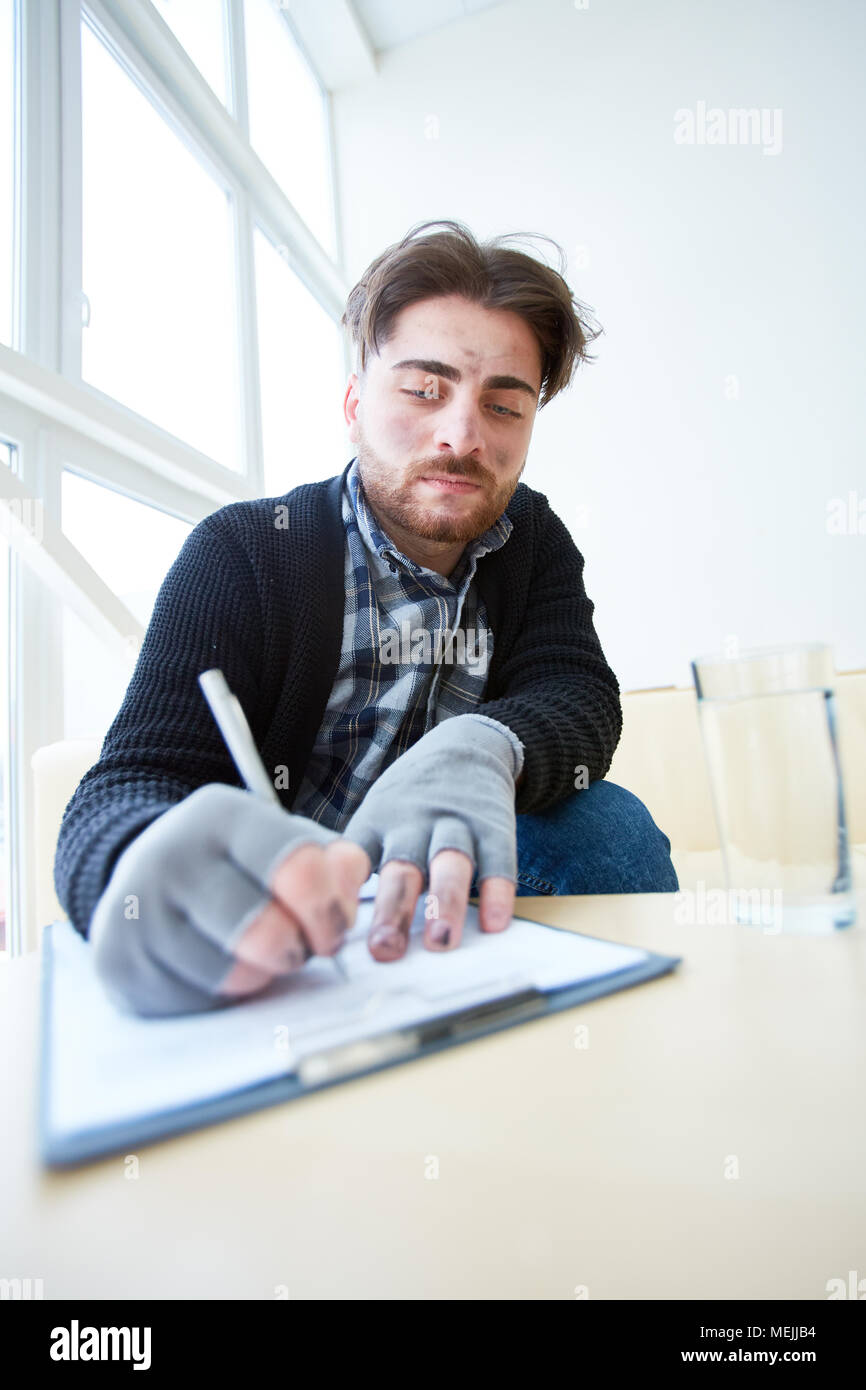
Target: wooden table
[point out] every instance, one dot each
(699, 1136)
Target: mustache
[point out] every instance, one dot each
(456, 468)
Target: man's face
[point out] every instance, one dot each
(443, 416)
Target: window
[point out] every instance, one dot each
(288, 117)
(8, 142)
(179, 309)
(158, 265)
(199, 26)
(301, 368)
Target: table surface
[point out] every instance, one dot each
(700, 1136)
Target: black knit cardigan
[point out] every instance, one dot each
(258, 591)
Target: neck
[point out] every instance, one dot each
(440, 556)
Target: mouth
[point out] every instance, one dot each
(450, 484)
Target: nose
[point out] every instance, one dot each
(458, 427)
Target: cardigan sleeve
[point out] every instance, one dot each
(555, 689)
(164, 742)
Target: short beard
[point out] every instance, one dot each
(391, 503)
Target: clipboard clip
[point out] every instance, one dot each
(364, 1054)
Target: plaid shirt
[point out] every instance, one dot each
(398, 674)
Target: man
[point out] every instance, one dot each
(413, 646)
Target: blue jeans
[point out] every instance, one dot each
(601, 839)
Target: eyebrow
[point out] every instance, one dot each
(490, 383)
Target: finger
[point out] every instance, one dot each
(450, 880)
(351, 868)
(272, 941)
(230, 908)
(396, 900)
(305, 885)
(245, 979)
(496, 903)
(275, 941)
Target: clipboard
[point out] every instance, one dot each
(67, 1137)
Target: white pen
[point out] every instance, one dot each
(232, 723)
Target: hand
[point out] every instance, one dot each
(217, 897)
(447, 804)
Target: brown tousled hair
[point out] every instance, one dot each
(488, 273)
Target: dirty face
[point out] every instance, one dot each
(443, 416)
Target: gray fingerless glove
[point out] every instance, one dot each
(183, 893)
(453, 789)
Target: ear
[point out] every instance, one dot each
(351, 403)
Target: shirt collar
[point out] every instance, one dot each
(380, 543)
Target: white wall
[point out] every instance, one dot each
(704, 516)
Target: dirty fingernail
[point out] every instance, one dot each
(388, 938)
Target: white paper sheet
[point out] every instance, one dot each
(107, 1066)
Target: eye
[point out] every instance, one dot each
(421, 394)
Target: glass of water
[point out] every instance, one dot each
(768, 720)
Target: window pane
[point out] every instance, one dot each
(288, 126)
(199, 25)
(7, 164)
(131, 546)
(158, 266)
(302, 378)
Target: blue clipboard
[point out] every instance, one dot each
(64, 1145)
